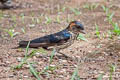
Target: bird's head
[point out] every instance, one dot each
(76, 27)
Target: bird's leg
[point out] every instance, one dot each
(60, 46)
(65, 45)
(66, 56)
(58, 51)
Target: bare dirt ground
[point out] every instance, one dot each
(96, 55)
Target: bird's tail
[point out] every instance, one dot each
(31, 45)
(23, 43)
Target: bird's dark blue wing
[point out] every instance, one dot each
(53, 38)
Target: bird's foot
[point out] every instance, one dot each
(66, 56)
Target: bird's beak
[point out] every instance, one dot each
(82, 31)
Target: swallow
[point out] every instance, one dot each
(59, 40)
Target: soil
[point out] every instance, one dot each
(95, 55)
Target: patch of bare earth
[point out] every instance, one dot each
(95, 55)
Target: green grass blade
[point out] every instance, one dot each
(75, 73)
(75, 11)
(112, 70)
(81, 37)
(100, 77)
(27, 48)
(97, 31)
(25, 58)
(52, 55)
(33, 71)
(116, 29)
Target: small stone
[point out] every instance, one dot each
(34, 65)
(37, 53)
(27, 66)
(31, 25)
(63, 70)
(61, 76)
(75, 65)
(101, 72)
(7, 62)
(10, 76)
(19, 59)
(25, 76)
(63, 61)
(52, 65)
(78, 57)
(118, 37)
(34, 57)
(89, 51)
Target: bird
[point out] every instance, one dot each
(59, 40)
